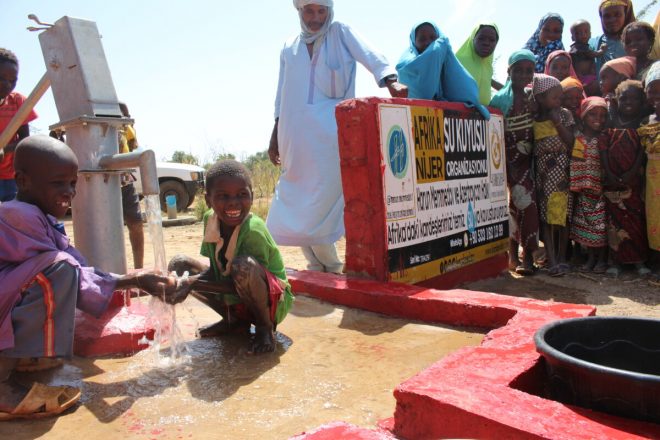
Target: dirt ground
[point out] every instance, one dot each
(628, 295)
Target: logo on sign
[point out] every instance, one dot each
(496, 148)
(397, 149)
(471, 219)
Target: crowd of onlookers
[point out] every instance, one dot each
(582, 132)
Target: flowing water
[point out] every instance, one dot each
(162, 315)
(155, 226)
(331, 363)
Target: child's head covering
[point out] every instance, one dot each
(423, 73)
(629, 14)
(542, 83)
(556, 54)
(503, 99)
(626, 66)
(307, 35)
(591, 103)
(571, 83)
(534, 43)
(652, 75)
(480, 68)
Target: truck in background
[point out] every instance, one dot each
(179, 179)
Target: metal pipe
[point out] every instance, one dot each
(145, 160)
(24, 111)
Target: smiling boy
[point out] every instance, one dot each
(43, 279)
(246, 281)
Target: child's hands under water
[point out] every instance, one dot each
(181, 290)
(157, 285)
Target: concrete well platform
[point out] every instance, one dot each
(494, 390)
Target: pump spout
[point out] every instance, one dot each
(145, 160)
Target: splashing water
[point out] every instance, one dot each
(161, 314)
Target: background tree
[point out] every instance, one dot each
(182, 157)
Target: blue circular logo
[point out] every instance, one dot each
(471, 219)
(397, 149)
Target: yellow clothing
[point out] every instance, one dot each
(126, 134)
(578, 149)
(544, 129)
(557, 208)
(650, 137)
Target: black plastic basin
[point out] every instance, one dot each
(608, 364)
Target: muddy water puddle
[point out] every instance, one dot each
(332, 363)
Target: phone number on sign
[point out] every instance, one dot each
(486, 234)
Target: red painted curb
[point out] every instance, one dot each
(491, 391)
(116, 332)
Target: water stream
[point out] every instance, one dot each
(162, 315)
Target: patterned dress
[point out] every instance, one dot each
(519, 144)
(649, 136)
(588, 225)
(552, 163)
(626, 223)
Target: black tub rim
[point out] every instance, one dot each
(543, 348)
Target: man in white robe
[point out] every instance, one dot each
(317, 72)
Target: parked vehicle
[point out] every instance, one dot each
(179, 179)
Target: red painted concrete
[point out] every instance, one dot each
(362, 179)
(117, 332)
(490, 391)
(340, 430)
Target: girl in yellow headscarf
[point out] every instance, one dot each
(476, 55)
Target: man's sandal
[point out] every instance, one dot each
(28, 365)
(525, 270)
(43, 401)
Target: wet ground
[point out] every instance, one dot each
(332, 363)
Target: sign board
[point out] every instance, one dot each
(444, 189)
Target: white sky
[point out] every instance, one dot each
(200, 75)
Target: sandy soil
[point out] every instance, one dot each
(627, 296)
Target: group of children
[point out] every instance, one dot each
(582, 146)
(44, 279)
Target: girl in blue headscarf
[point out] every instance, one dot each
(546, 39)
(515, 101)
(431, 70)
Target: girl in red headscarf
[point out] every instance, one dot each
(589, 218)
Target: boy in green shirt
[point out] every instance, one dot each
(246, 281)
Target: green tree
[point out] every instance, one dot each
(264, 178)
(182, 157)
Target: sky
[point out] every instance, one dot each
(201, 75)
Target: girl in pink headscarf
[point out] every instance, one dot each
(560, 65)
(589, 216)
(613, 73)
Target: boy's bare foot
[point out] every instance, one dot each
(221, 328)
(264, 340)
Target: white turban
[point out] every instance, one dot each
(298, 4)
(307, 35)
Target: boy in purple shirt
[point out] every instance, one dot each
(43, 279)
